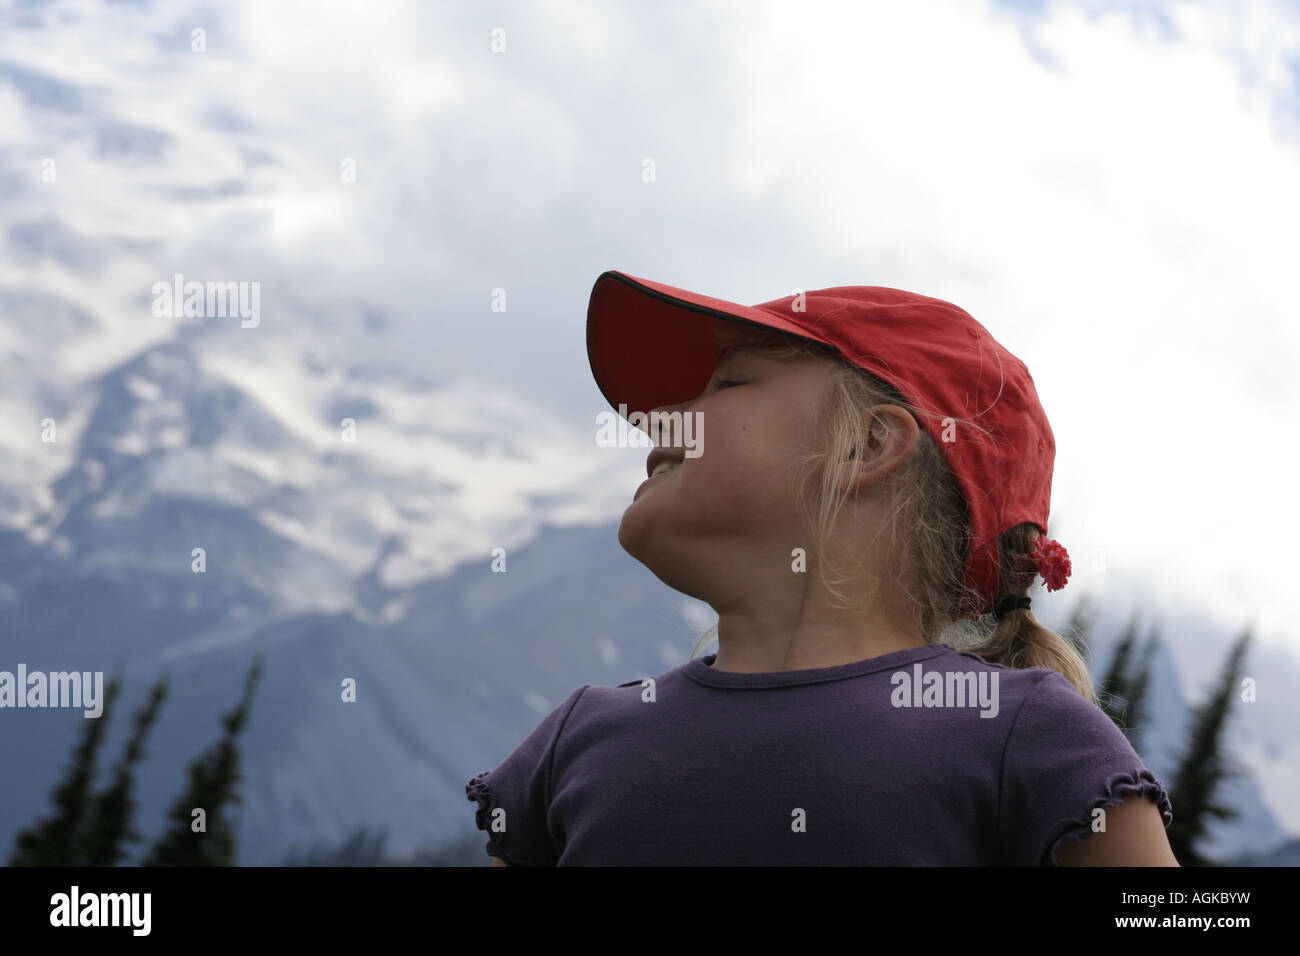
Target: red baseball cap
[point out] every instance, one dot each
(652, 345)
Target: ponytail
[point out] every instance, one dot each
(1019, 639)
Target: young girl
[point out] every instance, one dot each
(864, 504)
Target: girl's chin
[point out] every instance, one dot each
(639, 524)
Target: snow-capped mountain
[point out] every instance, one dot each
(310, 545)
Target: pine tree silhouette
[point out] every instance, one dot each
(56, 840)
(1204, 766)
(214, 778)
(110, 824)
(1116, 691)
(1138, 685)
(1078, 629)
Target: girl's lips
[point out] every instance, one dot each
(639, 487)
(659, 456)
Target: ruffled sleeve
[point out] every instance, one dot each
(480, 791)
(1064, 759)
(514, 800)
(1117, 788)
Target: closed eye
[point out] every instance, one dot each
(727, 383)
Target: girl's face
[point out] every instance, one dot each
(731, 515)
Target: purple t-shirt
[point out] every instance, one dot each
(926, 756)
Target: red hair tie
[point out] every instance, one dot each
(1052, 561)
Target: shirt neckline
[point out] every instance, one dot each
(701, 671)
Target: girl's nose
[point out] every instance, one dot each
(660, 420)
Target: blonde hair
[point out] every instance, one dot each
(929, 516)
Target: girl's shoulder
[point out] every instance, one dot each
(1049, 694)
(1026, 677)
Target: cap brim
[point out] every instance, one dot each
(652, 345)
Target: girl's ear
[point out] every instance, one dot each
(887, 447)
(873, 435)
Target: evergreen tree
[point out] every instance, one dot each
(1116, 691)
(1139, 683)
(110, 824)
(56, 840)
(1204, 766)
(214, 778)
(1078, 629)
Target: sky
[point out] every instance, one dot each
(1110, 188)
